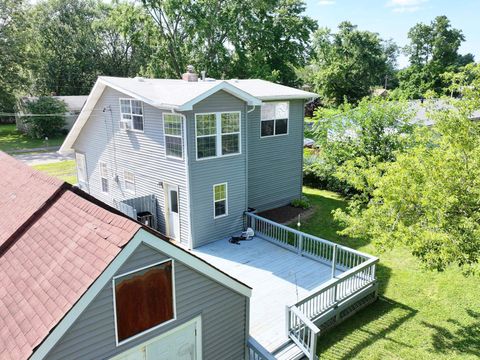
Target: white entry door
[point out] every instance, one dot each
(173, 216)
(181, 343)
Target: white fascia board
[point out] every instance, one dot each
(231, 89)
(192, 261)
(87, 109)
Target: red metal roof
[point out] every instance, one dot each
(47, 266)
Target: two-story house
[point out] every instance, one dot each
(191, 158)
(207, 150)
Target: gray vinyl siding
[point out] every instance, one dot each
(141, 153)
(207, 172)
(223, 316)
(275, 163)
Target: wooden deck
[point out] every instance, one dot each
(279, 277)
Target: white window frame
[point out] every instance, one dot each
(129, 181)
(130, 121)
(275, 120)
(80, 155)
(174, 299)
(226, 200)
(103, 167)
(218, 134)
(176, 136)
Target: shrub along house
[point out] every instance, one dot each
(81, 280)
(190, 158)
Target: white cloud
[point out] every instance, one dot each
(326, 2)
(405, 6)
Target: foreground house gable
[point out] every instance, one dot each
(200, 290)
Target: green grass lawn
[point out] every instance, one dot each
(64, 170)
(11, 139)
(420, 314)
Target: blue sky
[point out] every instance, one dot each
(393, 18)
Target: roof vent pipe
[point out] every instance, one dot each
(190, 75)
(203, 72)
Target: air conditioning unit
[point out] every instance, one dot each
(146, 218)
(125, 124)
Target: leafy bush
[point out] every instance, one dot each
(39, 126)
(302, 202)
(319, 173)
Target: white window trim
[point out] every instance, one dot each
(100, 163)
(218, 134)
(125, 181)
(181, 136)
(226, 201)
(274, 120)
(152, 328)
(131, 120)
(82, 155)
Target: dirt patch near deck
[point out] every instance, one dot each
(287, 214)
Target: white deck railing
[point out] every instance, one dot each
(257, 351)
(358, 274)
(302, 331)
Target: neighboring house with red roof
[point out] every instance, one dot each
(80, 280)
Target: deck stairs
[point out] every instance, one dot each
(288, 351)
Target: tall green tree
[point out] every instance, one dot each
(428, 198)
(433, 50)
(251, 38)
(348, 63)
(127, 38)
(66, 50)
(13, 52)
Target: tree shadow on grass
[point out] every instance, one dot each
(465, 338)
(372, 324)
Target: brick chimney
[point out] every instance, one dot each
(190, 75)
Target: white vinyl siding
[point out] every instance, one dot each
(274, 119)
(173, 132)
(129, 181)
(218, 134)
(104, 176)
(220, 200)
(131, 114)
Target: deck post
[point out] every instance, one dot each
(334, 260)
(300, 244)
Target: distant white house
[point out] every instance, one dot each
(74, 105)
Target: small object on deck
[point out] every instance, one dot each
(244, 236)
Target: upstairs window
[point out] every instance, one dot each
(172, 126)
(218, 134)
(143, 300)
(220, 201)
(274, 119)
(129, 181)
(131, 114)
(104, 176)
